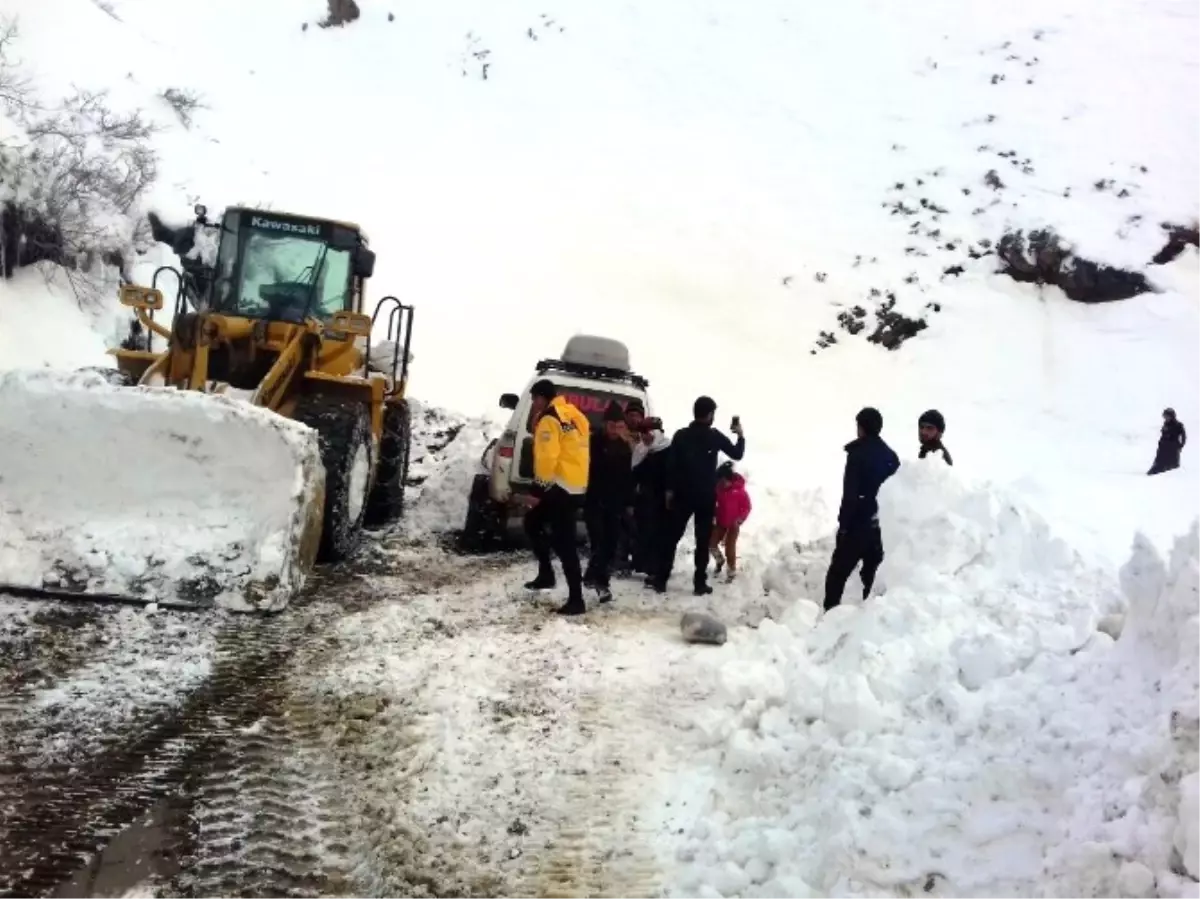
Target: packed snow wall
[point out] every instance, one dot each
(151, 494)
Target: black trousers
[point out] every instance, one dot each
(550, 525)
(649, 533)
(1166, 459)
(860, 544)
(604, 533)
(681, 511)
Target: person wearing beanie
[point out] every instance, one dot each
(561, 436)
(930, 427)
(1171, 440)
(650, 498)
(609, 494)
(869, 462)
(692, 491)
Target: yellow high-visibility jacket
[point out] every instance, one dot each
(560, 449)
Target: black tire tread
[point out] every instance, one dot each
(386, 502)
(341, 426)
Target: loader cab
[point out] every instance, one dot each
(287, 268)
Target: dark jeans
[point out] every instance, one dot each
(863, 543)
(604, 532)
(682, 509)
(550, 525)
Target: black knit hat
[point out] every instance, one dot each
(870, 420)
(932, 417)
(635, 405)
(544, 388)
(614, 412)
(704, 407)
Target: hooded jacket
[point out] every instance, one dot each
(733, 502)
(650, 476)
(560, 449)
(869, 462)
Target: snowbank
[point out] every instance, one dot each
(169, 496)
(446, 451)
(967, 732)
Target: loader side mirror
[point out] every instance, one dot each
(509, 400)
(355, 323)
(364, 262)
(148, 298)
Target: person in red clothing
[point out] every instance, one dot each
(733, 508)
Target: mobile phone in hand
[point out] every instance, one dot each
(733, 425)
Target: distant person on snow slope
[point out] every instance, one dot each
(869, 462)
(930, 427)
(560, 475)
(1171, 441)
(692, 490)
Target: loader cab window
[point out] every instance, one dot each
(286, 277)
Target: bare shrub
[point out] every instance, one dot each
(73, 175)
(185, 104)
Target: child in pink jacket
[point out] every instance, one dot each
(733, 508)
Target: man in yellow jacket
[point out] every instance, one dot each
(560, 473)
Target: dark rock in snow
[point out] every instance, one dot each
(1178, 239)
(341, 12)
(698, 627)
(892, 327)
(1041, 257)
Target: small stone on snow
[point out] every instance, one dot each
(698, 627)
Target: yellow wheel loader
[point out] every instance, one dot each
(253, 436)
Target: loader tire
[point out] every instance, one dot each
(387, 497)
(344, 432)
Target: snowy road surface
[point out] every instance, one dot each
(456, 742)
(418, 725)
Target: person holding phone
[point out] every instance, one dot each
(692, 490)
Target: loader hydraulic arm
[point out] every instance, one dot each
(274, 386)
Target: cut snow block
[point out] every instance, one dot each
(153, 494)
(698, 627)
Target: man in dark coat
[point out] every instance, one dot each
(609, 494)
(650, 498)
(869, 462)
(1171, 441)
(692, 490)
(930, 427)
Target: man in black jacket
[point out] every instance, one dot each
(869, 462)
(609, 493)
(692, 490)
(1171, 441)
(930, 427)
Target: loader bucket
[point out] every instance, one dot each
(153, 494)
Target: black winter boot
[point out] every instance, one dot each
(544, 581)
(574, 606)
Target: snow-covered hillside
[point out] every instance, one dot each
(726, 187)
